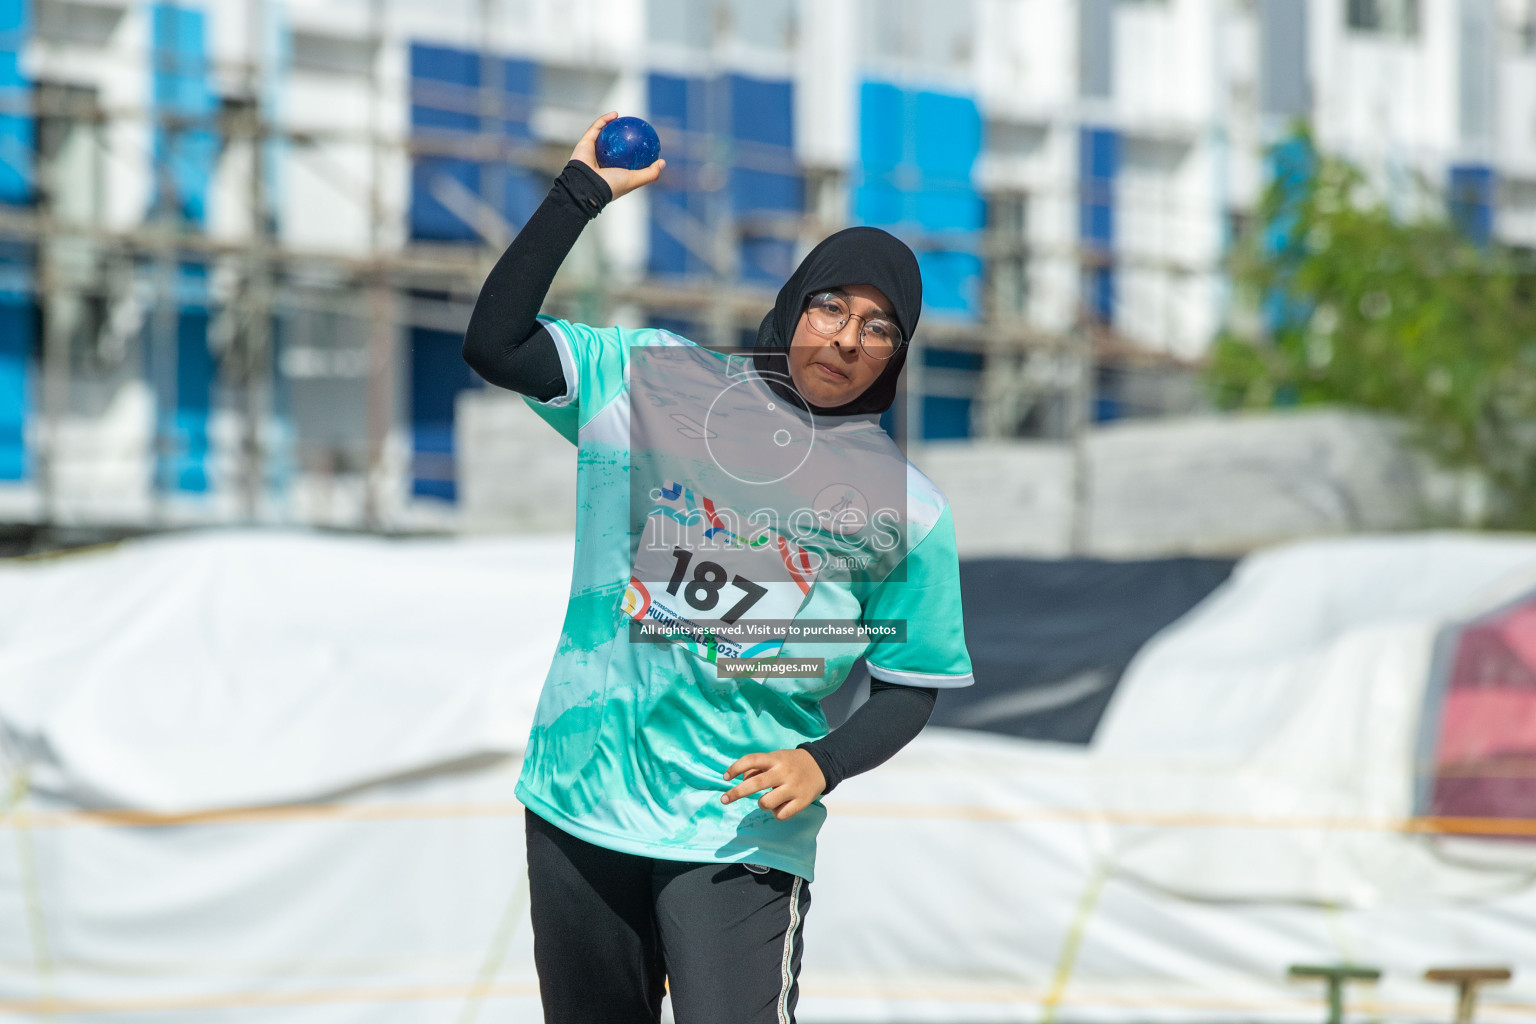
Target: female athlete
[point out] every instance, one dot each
(738, 518)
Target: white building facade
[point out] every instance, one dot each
(242, 237)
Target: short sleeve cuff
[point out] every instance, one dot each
(567, 365)
(942, 682)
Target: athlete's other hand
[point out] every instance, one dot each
(620, 179)
(792, 778)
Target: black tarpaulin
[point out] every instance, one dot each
(1050, 639)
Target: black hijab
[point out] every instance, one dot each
(851, 256)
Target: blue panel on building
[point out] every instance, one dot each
(884, 132)
(438, 374)
(186, 395)
(667, 96)
(675, 199)
(187, 461)
(948, 416)
(444, 65)
(917, 151)
(1099, 166)
(761, 110)
(1099, 293)
(1471, 201)
(951, 280)
(185, 150)
(953, 359)
(1098, 169)
(941, 207)
(879, 202)
(750, 121)
(948, 133)
(431, 220)
(16, 125)
(18, 328)
(667, 251)
(755, 190)
(18, 317)
(447, 89)
(948, 143)
(519, 86)
(764, 175)
(517, 192)
(185, 144)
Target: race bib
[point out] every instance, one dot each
(709, 582)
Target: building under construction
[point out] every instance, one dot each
(240, 239)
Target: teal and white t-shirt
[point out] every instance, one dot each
(699, 493)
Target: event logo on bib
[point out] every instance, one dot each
(637, 599)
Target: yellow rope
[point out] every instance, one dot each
(1073, 941)
(231, 1000)
(496, 953)
(24, 819)
(26, 861)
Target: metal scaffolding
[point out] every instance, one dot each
(104, 291)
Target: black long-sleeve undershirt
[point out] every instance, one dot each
(876, 730)
(506, 345)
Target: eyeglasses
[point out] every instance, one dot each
(828, 313)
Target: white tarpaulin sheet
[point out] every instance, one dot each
(1295, 693)
(218, 670)
(347, 714)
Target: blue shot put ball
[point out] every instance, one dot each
(627, 142)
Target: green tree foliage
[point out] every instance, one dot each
(1362, 308)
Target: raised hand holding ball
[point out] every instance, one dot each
(621, 179)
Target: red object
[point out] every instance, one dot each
(1485, 762)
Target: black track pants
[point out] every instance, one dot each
(609, 926)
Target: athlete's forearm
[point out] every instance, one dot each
(504, 342)
(882, 725)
